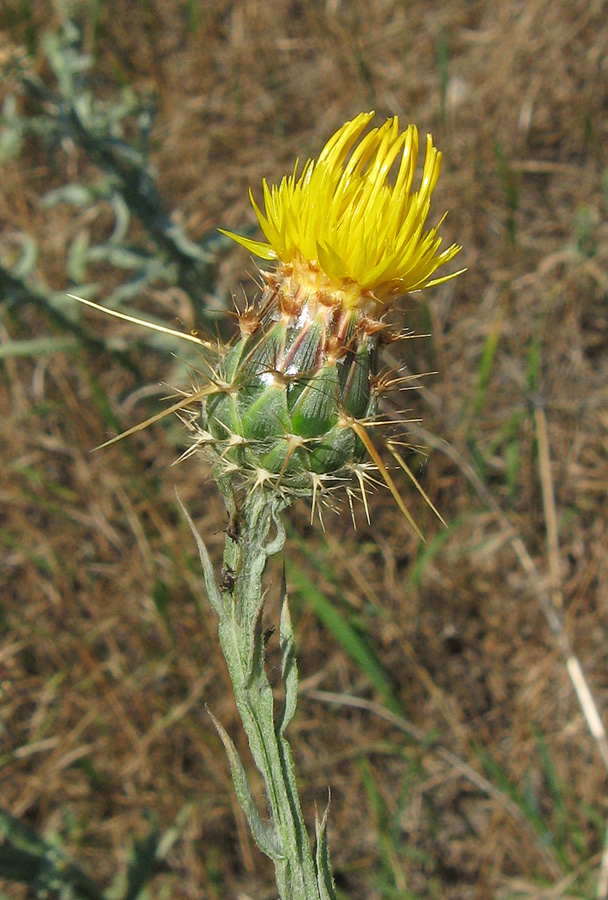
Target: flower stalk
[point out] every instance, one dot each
(238, 602)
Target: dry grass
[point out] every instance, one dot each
(105, 663)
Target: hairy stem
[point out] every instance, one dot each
(300, 874)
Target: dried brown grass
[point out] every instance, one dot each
(103, 698)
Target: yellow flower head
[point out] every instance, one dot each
(344, 223)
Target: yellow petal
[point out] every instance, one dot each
(343, 215)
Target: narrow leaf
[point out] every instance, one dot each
(486, 364)
(37, 346)
(325, 879)
(142, 864)
(213, 592)
(263, 834)
(255, 656)
(289, 668)
(76, 265)
(277, 543)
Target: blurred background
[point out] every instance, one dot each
(435, 700)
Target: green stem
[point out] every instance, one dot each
(300, 874)
(246, 558)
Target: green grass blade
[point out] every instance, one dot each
(486, 364)
(346, 636)
(37, 346)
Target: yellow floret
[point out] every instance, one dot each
(342, 215)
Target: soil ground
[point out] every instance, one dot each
(108, 654)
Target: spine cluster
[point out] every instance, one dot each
(292, 392)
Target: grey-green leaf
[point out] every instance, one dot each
(263, 834)
(289, 668)
(325, 879)
(215, 598)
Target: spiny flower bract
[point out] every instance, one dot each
(289, 404)
(342, 218)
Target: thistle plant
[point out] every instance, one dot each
(285, 412)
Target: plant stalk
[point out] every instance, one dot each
(239, 601)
